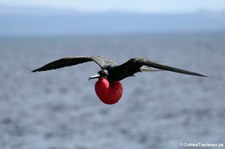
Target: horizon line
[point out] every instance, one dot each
(41, 9)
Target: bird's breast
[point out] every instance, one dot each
(108, 92)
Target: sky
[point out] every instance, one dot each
(141, 6)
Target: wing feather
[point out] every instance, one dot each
(70, 61)
(135, 65)
(168, 68)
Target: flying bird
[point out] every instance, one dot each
(108, 87)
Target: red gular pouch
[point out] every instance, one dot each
(108, 93)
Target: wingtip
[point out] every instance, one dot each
(39, 69)
(201, 75)
(205, 76)
(36, 70)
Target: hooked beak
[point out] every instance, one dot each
(94, 77)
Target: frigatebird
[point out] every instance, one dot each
(108, 88)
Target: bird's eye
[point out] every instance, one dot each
(103, 73)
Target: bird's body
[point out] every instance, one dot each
(108, 88)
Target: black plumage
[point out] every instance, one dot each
(115, 72)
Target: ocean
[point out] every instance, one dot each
(59, 109)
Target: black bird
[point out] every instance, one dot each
(111, 73)
(115, 72)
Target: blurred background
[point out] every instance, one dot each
(59, 109)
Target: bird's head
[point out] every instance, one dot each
(102, 73)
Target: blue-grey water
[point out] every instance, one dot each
(60, 110)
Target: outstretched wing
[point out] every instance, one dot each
(134, 65)
(69, 61)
